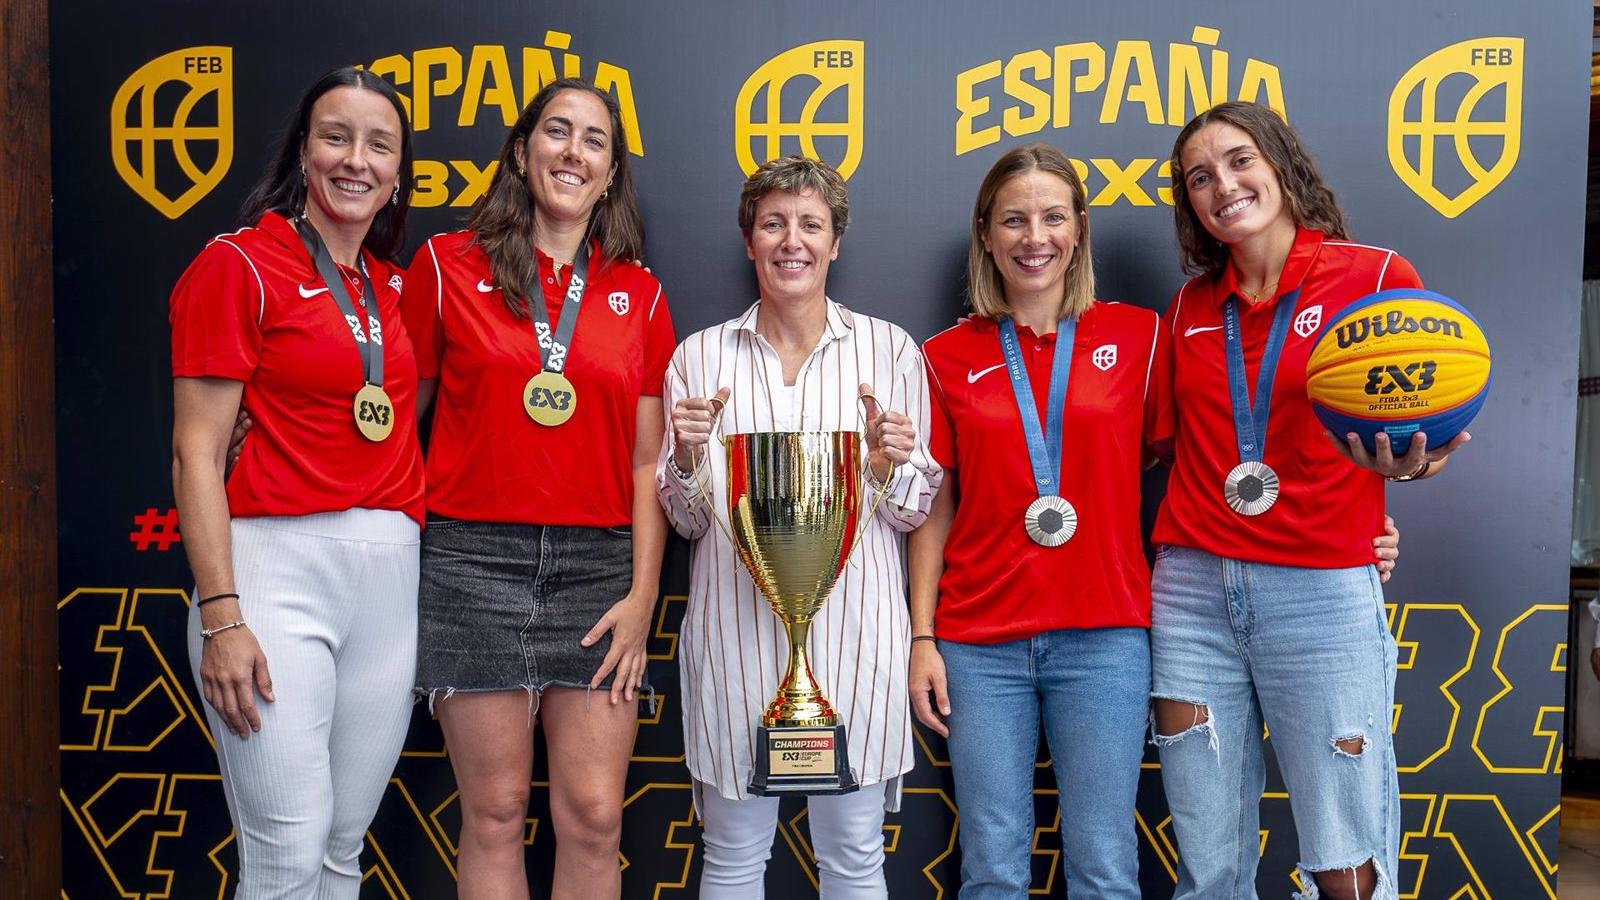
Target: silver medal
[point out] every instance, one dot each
(1050, 521)
(1251, 488)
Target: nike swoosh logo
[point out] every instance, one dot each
(972, 377)
(1196, 329)
(485, 287)
(312, 292)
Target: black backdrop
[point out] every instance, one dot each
(1452, 131)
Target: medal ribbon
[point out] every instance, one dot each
(1044, 447)
(1250, 420)
(371, 353)
(553, 347)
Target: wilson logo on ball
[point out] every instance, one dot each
(1396, 363)
(1394, 322)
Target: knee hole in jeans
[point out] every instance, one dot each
(1175, 718)
(1352, 746)
(1344, 883)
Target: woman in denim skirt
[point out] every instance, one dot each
(1267, 607)
(542, 553)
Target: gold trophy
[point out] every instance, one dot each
(795, 503)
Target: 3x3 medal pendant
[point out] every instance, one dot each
(374, 413)
(549, 398)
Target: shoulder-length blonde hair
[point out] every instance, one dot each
(984, 288)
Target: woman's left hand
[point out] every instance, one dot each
(890, 436)
(1386, 547)
(1385, 463)
(628, 620)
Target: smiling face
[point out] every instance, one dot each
(1032, 232)
(791, 241)
(351, 155)
(567, 156)
(1234, 191)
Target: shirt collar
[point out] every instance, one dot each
(1307, 241)
(283, 231)
(840, 321)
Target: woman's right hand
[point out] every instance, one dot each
(927, 685)
(692, 421)
(232, 669)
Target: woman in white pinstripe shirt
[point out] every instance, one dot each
(796, 361)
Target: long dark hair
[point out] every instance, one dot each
(1310, 201)
(282, 188)
(502, 219)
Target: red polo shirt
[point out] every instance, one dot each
(998, 585)
(1328, 509)
(252, 308)
(489, 462)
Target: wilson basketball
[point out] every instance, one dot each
(1398, 362)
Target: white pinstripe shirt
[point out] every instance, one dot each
(732, 647)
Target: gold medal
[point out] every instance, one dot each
(549, 398)
(374, 413)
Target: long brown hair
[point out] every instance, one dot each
(281, 188)
(502, 220)
(1310, 201)
(984, 287)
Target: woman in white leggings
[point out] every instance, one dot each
(306, 558)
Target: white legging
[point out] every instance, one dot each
(332, 599)
(846, 833)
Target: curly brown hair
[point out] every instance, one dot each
(1310, 201)
(795, 175)
(502, 220)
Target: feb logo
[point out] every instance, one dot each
(1455, 109)
(172, 127)
(799, 83)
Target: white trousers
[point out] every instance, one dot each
(846, 834)
(332, 599)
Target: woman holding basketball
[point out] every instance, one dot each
(1266, 605)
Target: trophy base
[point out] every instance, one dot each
(802, 761)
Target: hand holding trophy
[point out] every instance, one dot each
(794, 502)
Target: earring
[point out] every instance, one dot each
(606, 192)
(395, 199)
(303, 181)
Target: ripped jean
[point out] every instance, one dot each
(1309, 651)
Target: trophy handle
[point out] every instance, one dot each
(701, 493)
(883, 489)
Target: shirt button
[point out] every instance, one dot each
(549, 281)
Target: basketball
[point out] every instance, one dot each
(1398, 362)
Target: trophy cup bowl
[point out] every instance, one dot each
(794, 501)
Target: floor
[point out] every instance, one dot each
(1579, 877)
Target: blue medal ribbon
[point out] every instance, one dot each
(1250, 419)
(1044, 446)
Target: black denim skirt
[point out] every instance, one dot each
(503, 606)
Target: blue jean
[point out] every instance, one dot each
(1091, 687)
(1309, 652)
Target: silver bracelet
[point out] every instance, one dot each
(209, 633)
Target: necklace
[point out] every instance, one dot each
(1256, 295)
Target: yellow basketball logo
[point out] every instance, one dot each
(171, 145)
(759, 112)
(1435, 123)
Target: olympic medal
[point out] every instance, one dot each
(1050, 521)
(1251, 488)
(374, 412)
(549, 398)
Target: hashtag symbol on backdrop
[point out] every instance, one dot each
(155, 527)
